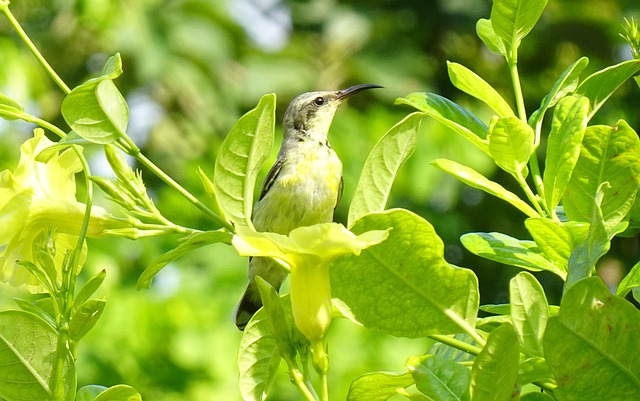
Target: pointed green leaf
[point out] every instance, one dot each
(9, 108)
(556, 240)
(599, 86)
(280, 322)
(258, 358)
(27, 349)
(592, 346)
(96, 110)
(83, 320)
(378, 386)
(440, 379)
(490, 37)
(630, 281)
(89, 288)
(529, 312)
(450, 114)
(563, 146)
(504, 249)
(382, 166)
(193, 241)
(35, 309)
(470, 83)
(385, 286)
(564, 85)
(495, 369)
(608, 154)
(511, 145)
(512, 20)
(240, 158)
(476, 180)
(533, 370)
(121, 392)
(89, 393)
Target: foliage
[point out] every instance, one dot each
(387, 272)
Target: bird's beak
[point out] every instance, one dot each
(345, 93)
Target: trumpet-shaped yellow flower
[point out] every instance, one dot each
(308, 251)
(38, 196)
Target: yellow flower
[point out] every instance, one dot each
(38, 196)
(308, 251)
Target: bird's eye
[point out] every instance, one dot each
(319, 101)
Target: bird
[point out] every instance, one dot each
(302, 188)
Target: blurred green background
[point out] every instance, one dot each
(193, 67)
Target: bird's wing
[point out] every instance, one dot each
(271, 176)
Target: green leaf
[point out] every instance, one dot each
(476, 180)
(533, 370)
(440, 379)
(630, 281)
(9, 108)
(378, 386)
(96, 110)
(504, 249)
(564, 85)
(536, 396)
(121, 392)
(209, 189)
(609, 154)
(584, 257)
(240, 158)
(512, 20)
(556, 240)
(485, 32)
(37, 310)
(600, 85)
(83, 320)
(495, 369)
(563, 146)
(89, 393)
(27, 353)
(511, 145)
(385, 286)
(450, 114)
(70, 139)
(592, 346)
(280, 322)
(381, 167)
(470, 83)
(193, 241)
(258, 358)
(529, 312)
(89, 288)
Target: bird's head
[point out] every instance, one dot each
(312, 112)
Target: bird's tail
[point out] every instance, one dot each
(248, 306)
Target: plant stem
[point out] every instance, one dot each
(455, 343)
(4, 7)
(517, 88)
(465, 327)
(172, 183)
(298, 379)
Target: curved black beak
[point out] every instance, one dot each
(345, 93)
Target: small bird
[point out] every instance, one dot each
(302, 188)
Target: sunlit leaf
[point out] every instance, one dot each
(563, 146)
(564, 85)
(511, 145)
(529, 312)
(378, 386)
(440, 379)
(490, 37)
(512, 20)
(608, 155)
(403, 286)
(476, 180)
(470, 83)
(89, 288)
(630, 281)
(240, 158)
(556, 240)
(504, 249)
(120, 392)
(599, 86)
(533, 370)
(9, 108)
(495, 369)
(85, 318)
(450, 114)
(381, 167)
(192, 242)
(592, 346)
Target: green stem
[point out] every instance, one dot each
(465, 327)
(517, 88)
(172, 183)
(530, 195)
(298, 379)
(455, 343)
(4, 7)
